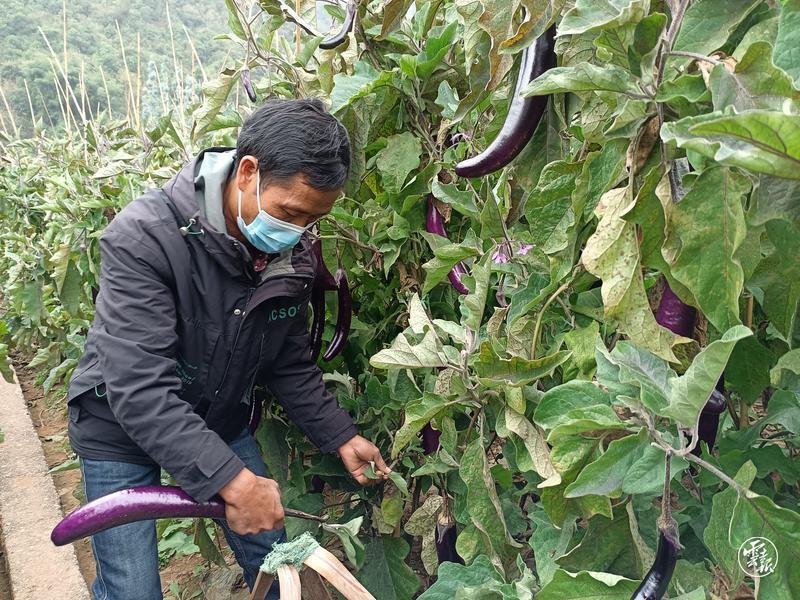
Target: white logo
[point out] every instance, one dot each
(758, 557)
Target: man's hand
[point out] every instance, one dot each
(359, 453)
(252, 503)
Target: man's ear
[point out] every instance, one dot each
(246, 171)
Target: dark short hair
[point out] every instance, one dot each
(291, 137)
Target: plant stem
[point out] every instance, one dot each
(666, 498)
(547, 303)
(696, 56)
(741, 490)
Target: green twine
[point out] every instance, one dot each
(290, 553)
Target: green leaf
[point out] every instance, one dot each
(548, 542)
(707, 24)
(538, 453)
(612, 254)
(597, 418)
(584, 77)
(422, 523)
(349, 88)
(774, 198)
(453, 578)
(581, 342)
(705, 230)
(646, 371)
(516, 371)
(748, 369)
(605, 475)
(539, 15)
(461, 200)
(385, 572)
(215, 93)
(483, 505)
(348, 536)
(646, 474)
(474, 303)
(549, 206)
(786, 370)
(601, 172)
(271, 437)
(446, 256)
(588, 15)
(759, 140)
(418, 413)
(778, 276)
(587, 585)
(691, 390)
(400, 157)
(208, 548)
(558, 401)
(755, 83)
(428, 353)
(787, 42)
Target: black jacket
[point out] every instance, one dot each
(184, 327)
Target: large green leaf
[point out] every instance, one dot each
(215, 94)
(427, 353)
(400, 157)
(587, 585)
(558, 401)
(516, 371)
(453, 577)
(588, 15)
(705, 230)
(759, 140)
(549, 207)
(538, 453)
(778, 276)
(483, 505)
(385, 572)
(612, 254)
(349, 88)
(707, 24)
(605, 475)
(422, 523)
(418, 413)
(584, 77)
(691, 390)
(787, 42)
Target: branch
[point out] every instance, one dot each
(740, 489)
(696, 56)
(547, 303)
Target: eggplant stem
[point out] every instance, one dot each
(327, 565)
(537, 330)
(289, 580)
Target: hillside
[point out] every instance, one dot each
(93, 41)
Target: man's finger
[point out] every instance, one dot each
(380, 463)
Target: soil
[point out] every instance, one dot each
(188, 574)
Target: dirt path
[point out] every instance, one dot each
(5, 583)
(187, 574)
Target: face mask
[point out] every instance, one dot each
(267, 233)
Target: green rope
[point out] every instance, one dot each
(290, 553)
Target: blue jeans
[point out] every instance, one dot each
(126, 556)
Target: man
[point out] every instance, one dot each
(189, 320)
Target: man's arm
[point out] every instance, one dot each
(296, 381)
(137, 345)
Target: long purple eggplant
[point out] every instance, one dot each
(446, 534)
(248, 84)
(523, 115)
(141, 504)
(323, 281)
(323, 278)
(680, 318)
(256, 411)
(340, 36)
(656, 581)
(343, 318)
(435, 224)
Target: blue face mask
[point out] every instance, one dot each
(265, 232)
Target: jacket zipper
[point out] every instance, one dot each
(235, 341)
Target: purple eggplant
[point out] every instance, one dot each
(446, 534)
(435, 224)
(680, 318)
(656, 581)
(141, 504)
(323, 278)
(127, 506)
(244, 74)
(523, 116)
(430, 439)
(340, 36)
(673, 314)
(343, 317)
(318, 322)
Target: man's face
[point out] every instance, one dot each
(293, 201)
